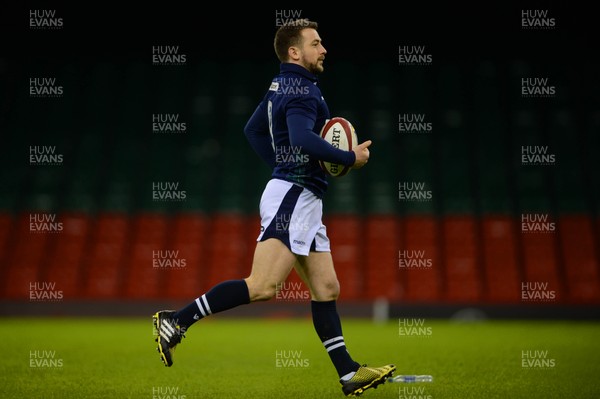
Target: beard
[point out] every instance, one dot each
(314, 67)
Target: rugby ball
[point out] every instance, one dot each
(340, 133)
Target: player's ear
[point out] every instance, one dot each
(294, 53)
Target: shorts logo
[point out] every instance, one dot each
(299, 242)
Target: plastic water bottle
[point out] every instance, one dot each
(411, 378)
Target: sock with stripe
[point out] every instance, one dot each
(329, 328)
(221, 297)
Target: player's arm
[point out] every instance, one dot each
(302, 135)
(300, 117)
(259, 137)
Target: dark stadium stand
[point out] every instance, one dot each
(467, 235)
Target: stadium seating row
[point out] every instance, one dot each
(417, 259)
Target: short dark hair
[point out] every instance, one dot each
(290, 34)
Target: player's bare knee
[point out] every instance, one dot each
(265, 294)
(260, 291)
(333, 289)
(329, 291)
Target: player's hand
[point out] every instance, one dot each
(362, 154)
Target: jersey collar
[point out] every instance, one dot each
(289, 67)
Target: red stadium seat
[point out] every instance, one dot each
(381, 234)
(540, 257)
(106, 258)
(345, 234)
(228, 249)
(500, 259)
(189, 235)
(461, 261)
(66, 255)
(24, 263)
(418, 259)
(252, 230)
(580, 257)
(150, 258)
(6, 227)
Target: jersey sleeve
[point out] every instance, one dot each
(258, 135)
(301, 117)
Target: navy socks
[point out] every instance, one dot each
(221, 297)
(329, 328)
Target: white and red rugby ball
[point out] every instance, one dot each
(340, 133)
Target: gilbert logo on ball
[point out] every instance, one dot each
(340, 133)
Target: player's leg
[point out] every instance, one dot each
(272, 263)
(318, 272)
(273, 260)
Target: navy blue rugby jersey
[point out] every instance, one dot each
(284, 130)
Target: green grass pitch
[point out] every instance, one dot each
(283, 358)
